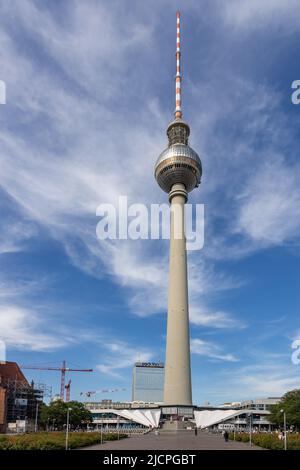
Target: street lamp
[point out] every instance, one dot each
(67, 428)
(36, 417)
(17, 424)
(250, 433)
(284, 427)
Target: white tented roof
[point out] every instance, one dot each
(207, 418)
(149, 418)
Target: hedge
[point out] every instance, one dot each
(269, 440)
(54, 440)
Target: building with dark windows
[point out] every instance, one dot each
(148, 382)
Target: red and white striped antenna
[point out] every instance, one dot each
(178, 112)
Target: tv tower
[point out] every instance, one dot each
(178, 171)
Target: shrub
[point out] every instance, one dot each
(54, 440)
(269, 440)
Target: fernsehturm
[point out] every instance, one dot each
(178, 171)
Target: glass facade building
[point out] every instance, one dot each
(148, 382)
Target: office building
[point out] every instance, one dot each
(148, 382)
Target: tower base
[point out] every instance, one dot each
(173, 426)
(176, 418)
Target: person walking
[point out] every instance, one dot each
(226, 435)
(196, 431)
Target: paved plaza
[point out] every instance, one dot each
(183, 440)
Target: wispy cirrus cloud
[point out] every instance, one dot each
(211, 350)
(120, 355)
(269, 211)
(254, 14)
(25, 329)
(265, 378)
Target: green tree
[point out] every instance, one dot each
(290, 403)
(57, 412)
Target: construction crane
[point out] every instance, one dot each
(68, 390)
(63, 369)
(104, 390)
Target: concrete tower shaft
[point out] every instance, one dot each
(178, 389)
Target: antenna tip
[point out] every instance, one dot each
(178, 14)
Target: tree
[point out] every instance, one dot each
(57, 412)
(290, 403)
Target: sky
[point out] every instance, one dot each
(89, 94)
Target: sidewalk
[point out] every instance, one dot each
(182, 440)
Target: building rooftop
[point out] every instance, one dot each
(149, 364)
(11, 371)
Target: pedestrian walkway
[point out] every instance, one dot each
(182, 440)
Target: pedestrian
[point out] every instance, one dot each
(226, 435)
(196, 431)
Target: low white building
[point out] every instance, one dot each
(238, 416)
(140, 416)
(134, 416)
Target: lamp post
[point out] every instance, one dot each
(36, 417)
(67, 428)
(284, 427)
(250, 426)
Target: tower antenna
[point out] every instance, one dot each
(178, 112)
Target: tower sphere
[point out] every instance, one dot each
(178, 163)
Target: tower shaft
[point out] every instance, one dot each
(177, 388)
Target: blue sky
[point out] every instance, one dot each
(89, 94)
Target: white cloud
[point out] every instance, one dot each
(254, 14)
(25, 330)
(270, 205)
(28, 323)
(13, 236)
(265, 379)
(250, 167)
(210, 350)
(89, 42)
(119, 355)
(10, 289)
(213, 319)
(267, 384)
